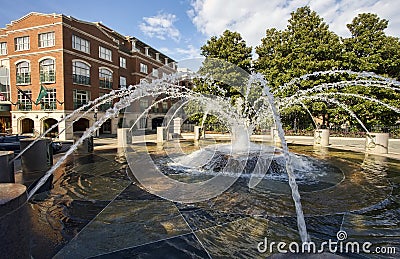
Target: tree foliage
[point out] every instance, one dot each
(307, 45)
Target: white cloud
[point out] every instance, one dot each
(189, 52)
(252, 17)
(160, 26)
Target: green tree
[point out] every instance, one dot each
(370, 49)
(306, 45)
(229, 62)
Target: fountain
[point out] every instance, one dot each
(213, 171)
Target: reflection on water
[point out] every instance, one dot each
(94, 204)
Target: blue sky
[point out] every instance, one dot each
(179, 28)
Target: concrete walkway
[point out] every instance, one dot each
(343, 143)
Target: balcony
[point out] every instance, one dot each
(4, 96)
(49, 106)
(105, 106)
(23, 78)
(25, 106)
(80, 104)
(79, 79)
(48, 77)
(106, 84)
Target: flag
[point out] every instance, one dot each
(24, 94)
(42, 93)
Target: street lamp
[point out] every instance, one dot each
(95, 113)
(95, 118)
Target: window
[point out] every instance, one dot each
(155, 72)
(144, 104)
(105, 77)
(47, 71)
(165, 107)
(49, 102)
(25, 100)
(143, 68)
(80, 44)
(122, 62)
(122, 81)
(23, 73)
(105, 53)
(80, 73)
(142, 123)
(22, 43)
(4, 84)
(3, 48)
(81, 98)
(46, 39)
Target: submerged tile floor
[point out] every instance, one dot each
(96, 211)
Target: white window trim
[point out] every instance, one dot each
(83, 61)
(6, 49)
(107, 49)
(29, 43)
(54, 39)
(144, 65)
(46, 57)
(120, 58)
(73, 45)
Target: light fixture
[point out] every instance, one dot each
(62, 116)
(14, 116)
(37, 116)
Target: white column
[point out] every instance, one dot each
(161, 134)
(177, 125)
(197, 132)
(377, 143)
(321, 137)
(7, 168)
(124, 137)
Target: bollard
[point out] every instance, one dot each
(198, 133)
(321, 137)
(377, 143)
(36, 161)
(87, 145)
(6, 168)
(124, 137)
(177, 124)
(274, 135)
(161, 134)
(14, 221)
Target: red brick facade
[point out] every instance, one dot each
(63, 53)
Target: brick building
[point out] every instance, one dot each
(74, 61)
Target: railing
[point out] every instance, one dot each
(105, 106)
(25, 107)
(49, 106)
(80, 79)
(23, 78)
(48, 77)
(4, 96)
(80, 104)
(106, 84)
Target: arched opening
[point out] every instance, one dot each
(106, 127)
(47, 124)
(156, 122)
(27, 126)
(81, 125)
